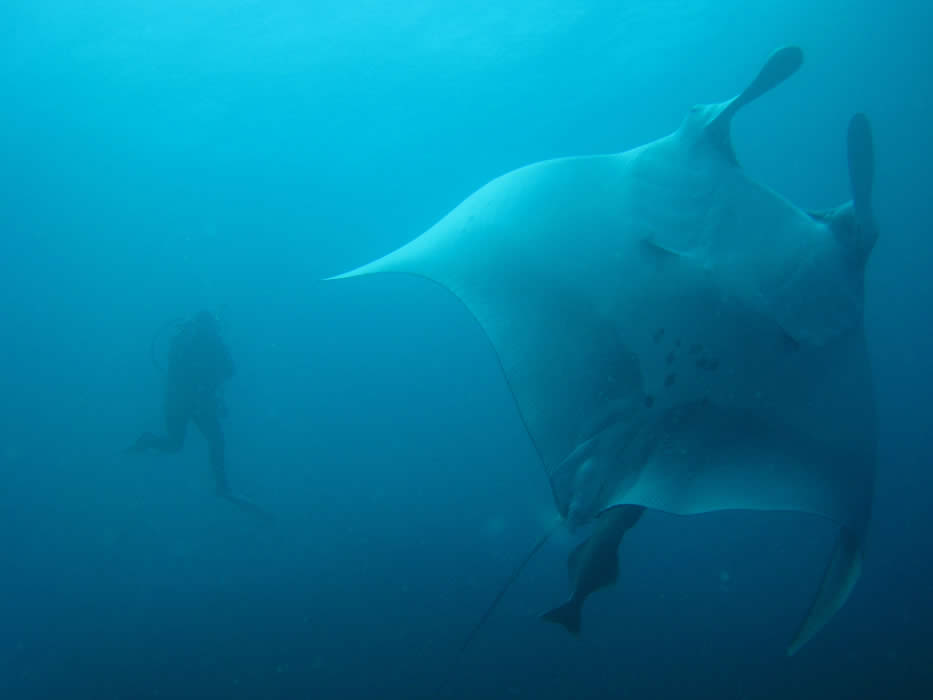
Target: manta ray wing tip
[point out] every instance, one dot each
(355, 272)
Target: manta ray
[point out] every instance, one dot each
(676, 335)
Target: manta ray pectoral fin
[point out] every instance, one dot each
(653, 247)
(839, 579)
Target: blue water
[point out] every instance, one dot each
(158, 157)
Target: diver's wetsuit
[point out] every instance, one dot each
(198, 364)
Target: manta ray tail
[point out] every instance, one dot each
(838, 581)
(569, 615)
(445, 679)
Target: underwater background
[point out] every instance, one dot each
(158, 157)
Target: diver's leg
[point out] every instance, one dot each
(176, 424)
(209, 424)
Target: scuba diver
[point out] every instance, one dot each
(197, 366)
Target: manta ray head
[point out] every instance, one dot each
(706, 128)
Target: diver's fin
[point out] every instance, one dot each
(248, 507)
(568, 615)
(141, 446)
(838, 581)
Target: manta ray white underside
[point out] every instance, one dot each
(676, 335)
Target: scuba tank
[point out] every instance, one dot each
(170, 338)
(160, 336)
